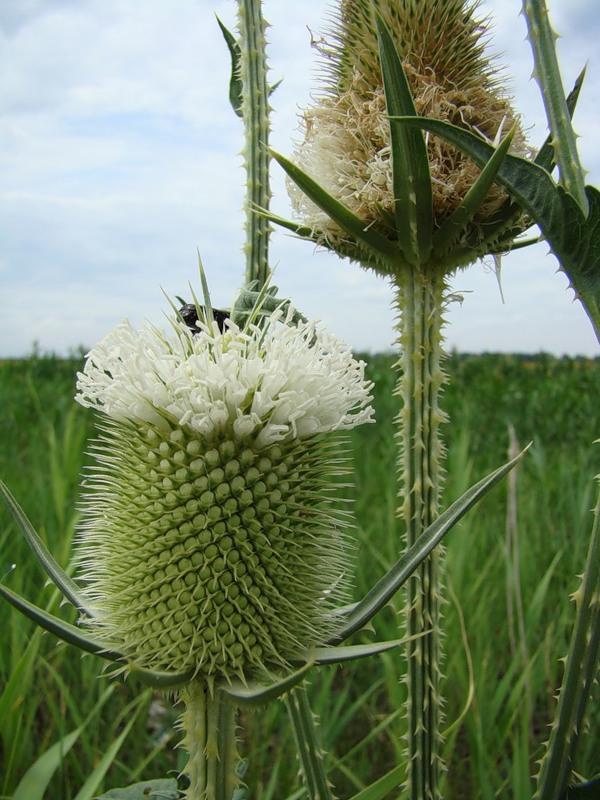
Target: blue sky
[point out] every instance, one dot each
(119, 158)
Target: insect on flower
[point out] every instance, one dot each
(189, 314)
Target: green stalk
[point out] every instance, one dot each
(547, 74)
(420, 300)
(309, 753)
(255, 113)
(210, 740)
(580, 672)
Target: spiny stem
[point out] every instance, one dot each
(580, 672)
(309, 753)
(420, 301)
(255, 113)
(209, 724)
(547, 74)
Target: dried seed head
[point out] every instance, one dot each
(346, 145)
(209, 542)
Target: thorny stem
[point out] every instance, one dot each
(547, 74)
(255, 113)
(209, 724)
(420, 300)
(580, 673)
(309, 753)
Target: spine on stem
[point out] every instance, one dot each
(255, 113)
(420, 300)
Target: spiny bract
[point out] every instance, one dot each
(210, 542)
(346, 146)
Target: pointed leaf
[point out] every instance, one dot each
(573, 238)
(58, 576)
(34, 783)
(381, 788)
(235, 82)
(499, 230)
(338, 212)
(90, 788)
(259, 694)
(410, 164)
(336, 655)
(304, 232)
(63, 630)
(386, 588)
(452, 229)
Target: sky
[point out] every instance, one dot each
(120, 160)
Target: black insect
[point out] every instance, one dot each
(189, 315)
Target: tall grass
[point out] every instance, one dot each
(511, 566)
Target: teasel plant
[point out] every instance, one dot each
(212, 564)
(414, 165)
(413, 211)
(211, 561)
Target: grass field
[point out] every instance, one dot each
(511, 566)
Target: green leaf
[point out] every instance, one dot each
(58, 576)
(235, 82)
(336, 655)
(362, 612)
(381, 788)
(250, 301)
(90, 787)
(71, 634)
(259, 694)
(34, 783)
(158, 789)
(452, 229)
(573, 238)
(338, 212)
(410, 164)
(63, 630)
(304, 232)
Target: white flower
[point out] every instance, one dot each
(210, 542)
(264, 385)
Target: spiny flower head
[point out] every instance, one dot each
(210, 542)
(346, 145)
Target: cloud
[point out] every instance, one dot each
(120, 155)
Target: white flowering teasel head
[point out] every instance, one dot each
(210, 542)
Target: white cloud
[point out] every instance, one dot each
(119, 155)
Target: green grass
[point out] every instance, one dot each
(511, 566)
